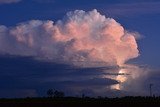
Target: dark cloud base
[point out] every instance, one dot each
(25, 76)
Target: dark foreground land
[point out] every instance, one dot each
(82, 102)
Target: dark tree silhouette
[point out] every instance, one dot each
(58, 94)
(50, 93)
(83, 95)
(55, 93)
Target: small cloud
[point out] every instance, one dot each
(9, 1)
(44, 1)
(126, 9)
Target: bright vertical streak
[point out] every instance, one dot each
(121, 78)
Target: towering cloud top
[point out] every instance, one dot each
(81, 37)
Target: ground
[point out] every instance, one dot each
(81, 102)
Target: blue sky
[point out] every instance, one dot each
(141, 16)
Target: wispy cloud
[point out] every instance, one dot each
(44, 1)
(9, 1)
(126, 9)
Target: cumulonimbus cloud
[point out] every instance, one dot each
(9, 1)
(80, 37)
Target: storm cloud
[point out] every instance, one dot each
(80, 38)
(83, 51)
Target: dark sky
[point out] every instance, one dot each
(22, 76)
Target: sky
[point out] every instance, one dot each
(97, 48)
